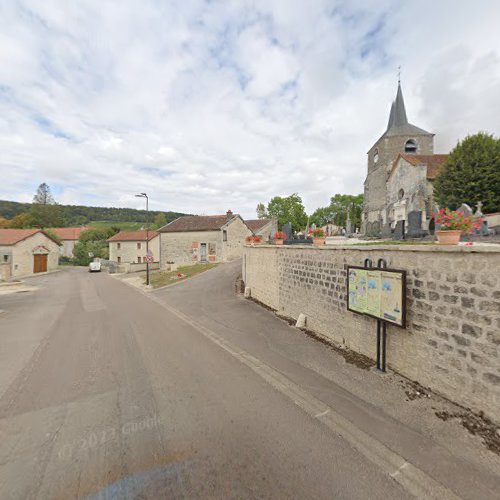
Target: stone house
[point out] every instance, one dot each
(263, 227)
(26, 251)
(409, 187)
(400, 138)
(69, 237)
(202, 238)
(128, 247)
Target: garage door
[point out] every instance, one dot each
(40, 264)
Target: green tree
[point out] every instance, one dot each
(43, 195)
(336, 212)
(471, 174)
(288, 209)
(160, 220)
(261, 211)
(20, 221)
(92, 241)
(45, 215)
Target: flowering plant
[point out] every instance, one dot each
(456, 221)
(317, 233)
(253, 239)
(280, 235)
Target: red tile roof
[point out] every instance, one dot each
(197, 223)
(432, 162)
(67, 233)
(134, 235)
(13, 236)
(256, 224)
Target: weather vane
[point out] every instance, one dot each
(399, 74)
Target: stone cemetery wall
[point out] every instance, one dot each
(452, 340)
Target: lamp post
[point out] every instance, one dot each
(144, 195)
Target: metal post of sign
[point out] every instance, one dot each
(381, 332)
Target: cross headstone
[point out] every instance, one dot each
(399, 230)
(479, 207)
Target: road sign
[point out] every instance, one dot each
(149, 257)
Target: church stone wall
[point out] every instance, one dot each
(452, 341)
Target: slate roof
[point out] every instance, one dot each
(198, 223)
(134, 235)
(256, 224)
(13, 236)
(67, 233)
(432, 162)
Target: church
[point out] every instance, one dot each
(401, 169)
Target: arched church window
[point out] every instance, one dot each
(375, 156)
(410, 146)
(401, 194)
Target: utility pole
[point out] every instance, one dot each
(144, 195)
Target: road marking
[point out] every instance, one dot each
(410, 477)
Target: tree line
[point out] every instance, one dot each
(45, 212)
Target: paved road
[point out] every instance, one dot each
(192, 392)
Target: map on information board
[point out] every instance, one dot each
(377, 292)
(357, 289)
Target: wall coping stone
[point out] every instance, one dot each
(390, 248)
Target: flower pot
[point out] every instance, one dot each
(448, 237)
(257, 243)
(278, 242)
(319, 241)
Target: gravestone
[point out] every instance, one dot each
(465, 209)
(287, 229)
(399, 230)
(415, 225)
(386, 231)
(348, 225)
(479, 207)
(484, 230)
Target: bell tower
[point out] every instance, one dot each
(400, 137)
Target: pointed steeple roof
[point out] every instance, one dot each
(398, 121)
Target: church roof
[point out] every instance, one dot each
(432, 162)
(398, 121)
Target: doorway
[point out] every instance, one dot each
(203, 252)
(40, 263)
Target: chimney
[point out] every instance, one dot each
(229, 214)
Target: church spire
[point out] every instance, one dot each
(397, 117)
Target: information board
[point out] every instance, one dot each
(380, 293)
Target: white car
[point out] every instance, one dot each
(95, 267)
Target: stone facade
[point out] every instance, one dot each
(188, 247)
(133, 251)
(18, 259)
(452, 340)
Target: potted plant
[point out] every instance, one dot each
(249, 240)
(318, 236)
(279, 237)
(452, 225)
(257, 239)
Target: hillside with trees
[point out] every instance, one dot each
(45, 212)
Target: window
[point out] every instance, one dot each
(118, 246)
(138, 258)
(375, 156)
(119, 259)
(224, 235)
(6, 258)
(138, 246)
(410, 146)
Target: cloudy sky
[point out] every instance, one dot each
(210, 105)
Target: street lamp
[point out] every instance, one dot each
(144, 195)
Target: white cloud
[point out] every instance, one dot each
(210, 106)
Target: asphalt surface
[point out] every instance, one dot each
(194, 392)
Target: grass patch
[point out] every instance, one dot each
(124, 226)
(163, 278)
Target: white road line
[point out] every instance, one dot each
(411, 478)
